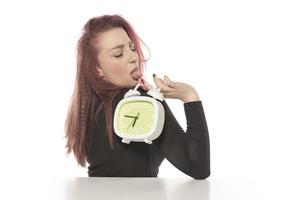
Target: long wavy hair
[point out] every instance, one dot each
(92, 94)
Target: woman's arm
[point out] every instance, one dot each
(188, 151)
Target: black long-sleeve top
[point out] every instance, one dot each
(188, 151)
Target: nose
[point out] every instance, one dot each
(133, 57)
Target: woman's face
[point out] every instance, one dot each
(117, 58)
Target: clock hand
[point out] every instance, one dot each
(135, 119)
(131, 123)
(138, 115)
(134, 122)
(129, 116)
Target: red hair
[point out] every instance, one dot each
(91, 93)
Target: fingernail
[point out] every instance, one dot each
(154, 75)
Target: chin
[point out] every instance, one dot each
(134, 83)
(131, 84)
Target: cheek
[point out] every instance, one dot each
(118, 69)
(115, 68)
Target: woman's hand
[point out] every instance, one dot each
(172, 89)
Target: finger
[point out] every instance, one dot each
(147, 86)
(166, 80)
(142, 83)
(157, 82)
(169, 82)
(162, 80)
(161, 84)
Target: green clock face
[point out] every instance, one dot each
(135, 117)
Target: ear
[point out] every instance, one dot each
(100, 71)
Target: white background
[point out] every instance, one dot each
(241, 56)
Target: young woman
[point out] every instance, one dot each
(109, 62)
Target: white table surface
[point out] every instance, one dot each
(84, 188)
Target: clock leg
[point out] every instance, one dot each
(125, 141)
(148, 141)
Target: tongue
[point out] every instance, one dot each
(136, 75)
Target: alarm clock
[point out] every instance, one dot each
(139, 118)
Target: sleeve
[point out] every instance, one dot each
(188, 151)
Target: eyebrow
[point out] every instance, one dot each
(121, 46)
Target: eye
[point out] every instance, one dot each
(133, 48)
(119, 55)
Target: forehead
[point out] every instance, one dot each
(111, 38)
